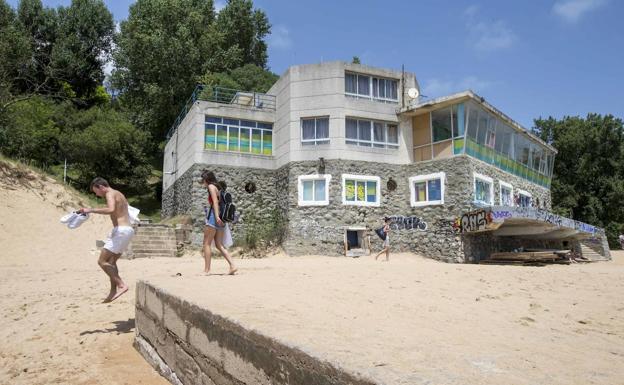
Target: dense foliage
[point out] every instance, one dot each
(588, 181)
(166, 46)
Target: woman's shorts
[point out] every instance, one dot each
(211, 222)
(386, 242)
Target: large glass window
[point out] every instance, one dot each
(441, 124)
(371, 133)
(371, 87)
(313, 190)
(226, 134)
(494, 140)
(360, 190)
(315, 130)
(427, 190)
(483, 189)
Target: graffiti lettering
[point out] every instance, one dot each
(501, 214)
(399, 222)
(475, 221)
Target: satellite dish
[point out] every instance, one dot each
(413, 93)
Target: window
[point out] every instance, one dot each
(315, 131)
(441, 124)
(371, 87)
(483, 189)
(427, 190)
(313, 190)
(246, 136)
(524, 198)
(369, 133)
(505, 194)
(360, 190)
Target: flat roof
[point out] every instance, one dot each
(443, 101)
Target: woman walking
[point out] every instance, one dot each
(214, 228)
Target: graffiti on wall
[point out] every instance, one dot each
(399, 222)
(500, 213)
(477, 220)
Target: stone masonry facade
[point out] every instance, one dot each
(319, 229)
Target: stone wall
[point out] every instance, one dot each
(320, 229)
(191, 345)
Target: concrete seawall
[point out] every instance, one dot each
(188, 345)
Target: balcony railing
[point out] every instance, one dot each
(247, 99)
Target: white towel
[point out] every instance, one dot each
(227, 238)
(133, 213)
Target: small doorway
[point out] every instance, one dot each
(356, 241)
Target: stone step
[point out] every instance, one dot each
(154, 250)
(154, 239)
(155, 234)
(170, 243)
(152, 255)
(154, 247)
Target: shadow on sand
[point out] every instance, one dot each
(120, 327)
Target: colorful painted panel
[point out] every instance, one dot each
(244, 139)
(267, 143)
(458, 146)
(350, 190)
(492, 157)
(209, 139)
(221, 138)
(256, 141)
(371, 191)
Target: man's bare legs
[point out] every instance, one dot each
(108, 263)
(209, 234)
(224, 252)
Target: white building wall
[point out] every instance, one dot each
(303, 91)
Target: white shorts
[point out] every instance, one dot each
(119, 239)
(386, 242)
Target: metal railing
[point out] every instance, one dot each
(248, 99)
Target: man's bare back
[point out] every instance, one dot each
(119, 216)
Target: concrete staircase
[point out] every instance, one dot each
(151, 241)
(592, 251)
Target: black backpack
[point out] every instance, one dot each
(227, 209)
(381, 233)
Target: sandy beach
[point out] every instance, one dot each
(412, 319)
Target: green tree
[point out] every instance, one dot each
(102, 141)
(588, 180)
(85, 35)
(33, 130)
(165, 46)
(249, 77)
(243, 27)
(55, 52)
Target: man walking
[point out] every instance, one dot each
(120, 237)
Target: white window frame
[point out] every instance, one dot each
(509, 187)
(370, 87)
(302, 178)
(425, 178)
(483, 178)
(526, 194)
(316, 141)
(363, 178)
(372, 143)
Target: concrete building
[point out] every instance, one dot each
(334, 147)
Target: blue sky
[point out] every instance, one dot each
(527, 58)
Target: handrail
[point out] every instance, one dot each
(222, 95)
